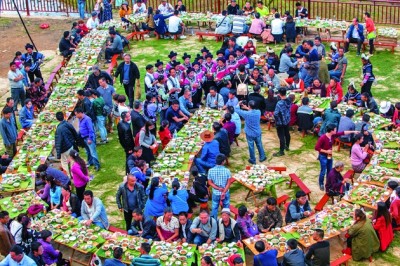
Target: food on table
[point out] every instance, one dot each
(258, 176)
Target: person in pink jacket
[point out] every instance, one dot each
(79, 173)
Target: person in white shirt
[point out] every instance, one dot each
(277, 28)
(223, 24)
(165, 8)
(93, 22)
(176, 25)
(139, 7)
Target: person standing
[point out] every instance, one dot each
(16, 85)
(282, 119)
(371, 31)
(355, 34)
(107, 91)
(86, 131)
(81, 8)
(129, 77)
(368, 75)
(10, 103)
(125, 135)
(8, 132)
(218, 179)
(148, 141)
(7, 239)
(98, 109)
(209, 152)
(137, 118)
(252, 129)
(65, 139)
(130, 196)
(35, 58)
(79, 173)
(95, 76)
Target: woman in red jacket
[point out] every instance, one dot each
(383, 226)
(164, 133)
(395, 210)
(371, 31)
(334, 90)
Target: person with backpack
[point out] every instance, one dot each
(98, 108)
(282, 119)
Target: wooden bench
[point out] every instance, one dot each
(342, 260)
(139, 35)
(300, 184)
(113, 63)
(342, 143)
(115, 229)
(322, 202)
(218, 37)
(391, 45)
(282, 199)
(350, 175)
(158, 35)
(279, 169)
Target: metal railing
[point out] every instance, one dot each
(382, 11)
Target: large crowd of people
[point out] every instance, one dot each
(174, 91)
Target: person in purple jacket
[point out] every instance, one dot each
(50, 255)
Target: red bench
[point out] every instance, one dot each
(385, 44)
(139, 35)
(342, 260)
(218, 37)
(300, 184)
(350, 175)
(113, 63)
(342, 143)
(115, 229)
(279, 169)
(282, 199)
(322, 202)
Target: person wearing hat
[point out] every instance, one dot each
(35, 58)
(352, 97)
(228, 229)
(204, 51)
(346, 124)
(209, 67)
(368, 75)
(233, 8)
(65, 46)
(186, 61)
(176, 25)
(386, 109)
(165, 7)
(192, 83)
(240, 57)
(159, 65)
(129, 77)
(340, 65)
(124, 12)
(209, 153)
(172, 59)
(139, 7)
(8, 132)
(334, 90)
(223, 25)
(368, 102)
(319, 252)
(93, 22)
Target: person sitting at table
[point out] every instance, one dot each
(257, 25)
(124, 12)
(60, 178)
(36, 253)
(296, 83)
(396, 116)
(185, 235)
(156, 203)
(204, 229)
(180, 6)
(209, 152)
(27, 115)
(144, 227)
(331, 116)
(383, 226)
(334, 90)
(346, 124)
(145, 258)
(93, 22)
(362, 240)
(261, 9)
(233, 8)
(305, 115)
(93, 211)
(223, 25)
(246, 225)
(317, 88)
(272, 80)
(335, 183)
(178, 198)
(352, 97)
(301, 12)
(70, 202)
(269, 216)
(17, 257)
(267, 254)
(277, 28)
(214, 100)
(55, 194)
(301, 50)
(175, 116)
(228, 229)
(298, 208)
(199, 191)
(319, 252)
(368, 102)
(50, 255)
(167, 226)
(161, 26)
(117, 257)
(395, 210)
(286, 65)
(247, 9)
(293, 256)
(139, 7)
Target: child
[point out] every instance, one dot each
(250, 47)
(164, 133)
(18, 60)
(115, 113)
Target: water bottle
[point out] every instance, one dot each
(175, 135)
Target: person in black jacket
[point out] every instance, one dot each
(37, 253)
(258, 99)
(143, 227)
(65, 46)
(129, 79)
(65, 139)
(135, 156)
(185, 235)
(137, 118)
(221, 135)
(86, 104)
(74, 208)
(199, 191)
(125, 136)
(97, 74)
(128, 193)
(233, 8)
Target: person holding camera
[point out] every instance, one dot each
(252, 129)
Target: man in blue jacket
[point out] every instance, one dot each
(355, 34)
